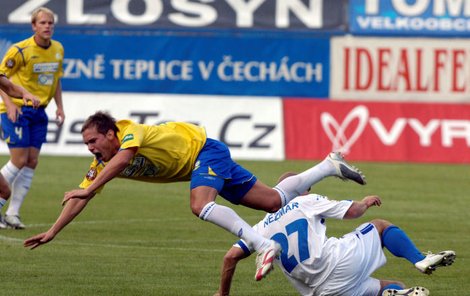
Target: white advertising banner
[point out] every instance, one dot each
(400, 69)
(251, 127)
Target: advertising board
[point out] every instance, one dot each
(374, 131)
(432, 18)
(250, 133)
(192, 64)
(400, 69)
(283, 15)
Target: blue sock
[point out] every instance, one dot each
(391, 287)
(400, 245)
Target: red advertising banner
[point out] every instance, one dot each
(400, 69)
(373, 131)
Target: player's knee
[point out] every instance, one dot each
(201, 197)
(5, 192)
(196, 209)
(381, 224)
(19, 162)
(273, 205)
(32, 163)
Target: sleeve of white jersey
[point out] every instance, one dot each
(321, 206)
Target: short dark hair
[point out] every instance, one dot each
(102, 121)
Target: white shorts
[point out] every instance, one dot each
(359, 254)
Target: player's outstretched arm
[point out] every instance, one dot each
(231, 259)
(358, 208)
(69, 212)
(110, 171)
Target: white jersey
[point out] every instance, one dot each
(310, 259)
(300, 228)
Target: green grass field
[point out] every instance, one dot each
(142, 239)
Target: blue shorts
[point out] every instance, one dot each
(215, 168)
(29, 130)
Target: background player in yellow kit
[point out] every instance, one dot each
(36, 65)
(15, 91)
(177, 151)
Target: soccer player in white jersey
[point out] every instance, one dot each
(318, 265)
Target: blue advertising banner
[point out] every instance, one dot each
(192, 64)
(432, 18)
(283, 15)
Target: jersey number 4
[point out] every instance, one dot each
(301, 227)
(19, 132)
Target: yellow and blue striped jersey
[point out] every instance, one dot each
(165, 153)
(36, 69)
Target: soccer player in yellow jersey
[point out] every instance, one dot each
(36, 65)
(177, 151)
(15, 91)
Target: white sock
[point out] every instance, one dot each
(9, 172)
(296, 185)
(19, 190)
(226, 218)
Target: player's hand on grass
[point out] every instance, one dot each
(37, 240)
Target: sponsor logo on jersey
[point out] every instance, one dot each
(91, 175)
(140, 166)
(45, 67)
(127, 137)
(10, 63)
(46, 79)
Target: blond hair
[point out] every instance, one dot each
(34, 15)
